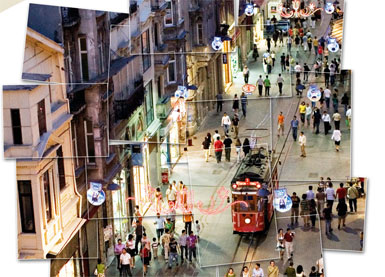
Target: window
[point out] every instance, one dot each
(47, 196)
(171, 73)
(41, 117)
(60, 166)
(149, 104)
(101, 51)
(159, 87)
(26, 206)
(16, 126)
(169, 17)
(156, 35)
(146, 50)
(75, 144)
(90, 146)
(83, 58)
(199, 33)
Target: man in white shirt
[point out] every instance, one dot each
(258, 271)
(159, 222)
(125, 261)
(326, 120)
(226, 122)
(310, 194)
(330, 195)
(298, 69)
(327, 94)
(260, 85)
(349, 116)
(302, 143)
(216, 135)
(171, 194)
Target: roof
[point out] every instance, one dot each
(36, 76)
(19, 87)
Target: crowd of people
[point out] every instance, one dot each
(272, 270)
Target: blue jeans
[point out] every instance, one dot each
(192, 252)
(244, 110)
(226, 128)
(171, 257)
(328, 226)
(295, 129)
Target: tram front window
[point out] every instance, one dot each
(242, 207)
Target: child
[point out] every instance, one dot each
(154, 247)
(198, 228)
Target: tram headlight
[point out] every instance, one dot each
(247, 220)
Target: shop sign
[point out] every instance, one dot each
(282, 201)
(217, 44)
(96, 195)
(248, 88)
(224, 58)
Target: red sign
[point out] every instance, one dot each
(248, 183)
(248, 88)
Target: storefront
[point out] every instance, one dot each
(120, 204)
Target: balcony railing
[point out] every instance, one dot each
(123, 109)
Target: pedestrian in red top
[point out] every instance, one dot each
(218, 146)
(341, 192)
(289, 243)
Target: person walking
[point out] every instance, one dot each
(315, 46)
(327, 76)
(304, 210)
(312, 212)
(154, 248)
(283, 62)
(306, 70)
(257, 271)
(294, 127)
(245, 272)
(295, 208)
(289, 243)
(290, 270)
(335, 101)
(352, 196)
(165, 240)
(345, 101)
(289, 43)
(308, 112)
(238, 148)
(348, 115)
(302, 112)
(130, 247)
(320, 196)
(337, 139)
(337, 119)
(235, 122)
(174, 247)
(188, 219)
(255, 53)
(218, 148)
(272, 269)
(302, 143)
(118, 251)
(267, 84)
(316, 120)
(145, 253)
(330, 195)
(206, 148)
(246, 146)
(159, 222)
(273, 55)
(125, 262)
(171, 195)
(280, 82)
(219, 97)
(328, 216)
(326, 120)
(236, 104)
(287, 62)
(260, 85)
(342, 210)
(244, 104)
(191, 243)
(281, 243)
(341, 192)
(281, 123)
(246, 73)
(226, 122)
(100, 269)
(183, 246)
(268, 43)
(227, 143)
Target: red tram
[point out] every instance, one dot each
(254, 182)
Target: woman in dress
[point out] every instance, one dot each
(158, 200)
(304, 210)
(130, 246)
(280, 244)
(230, 273)
(236, 104)
(246, 146)
(245, 272)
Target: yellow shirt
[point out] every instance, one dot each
(315, 42)
(302, 109)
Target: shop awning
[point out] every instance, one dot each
(68, 234)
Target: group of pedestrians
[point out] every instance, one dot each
(272, 270)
